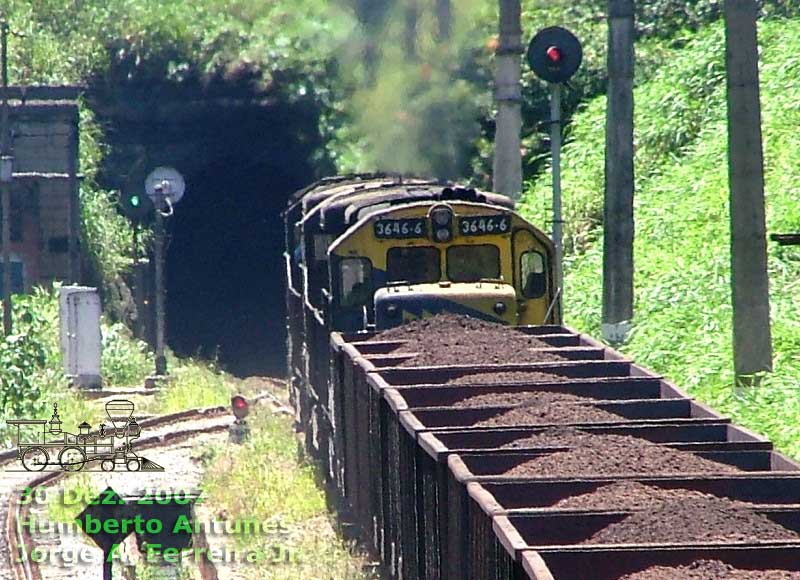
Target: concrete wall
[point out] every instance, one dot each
(44, 128)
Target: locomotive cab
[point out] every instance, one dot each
(423, 259)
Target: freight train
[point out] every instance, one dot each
(374, 251)
(443, 466)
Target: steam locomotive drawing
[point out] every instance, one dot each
(42, 443)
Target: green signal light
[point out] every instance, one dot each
(135, 201)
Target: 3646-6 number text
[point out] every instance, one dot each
(400, 228)
(484, 225)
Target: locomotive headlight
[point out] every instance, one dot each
(392, 310)
(500, 308)
(443, 235)
(441, 216)
(442, 220)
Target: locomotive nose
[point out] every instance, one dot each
(490, 300)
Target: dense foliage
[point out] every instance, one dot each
(682, 259)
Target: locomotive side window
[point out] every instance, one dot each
(356, 278)
(471, 263)
(533, 274)
(413, 265)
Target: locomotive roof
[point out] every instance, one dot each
(335, 212)
(328, 182)
(328, 186)
(343, 212)
(341, 195)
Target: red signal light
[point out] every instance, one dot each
(240, 406)
(554, 54)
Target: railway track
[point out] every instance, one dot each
(162, 432)
(579, 465)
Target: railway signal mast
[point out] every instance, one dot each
(555, 55)
(165, 187)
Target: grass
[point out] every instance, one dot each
(262, 479)
(126, 362)
(682, 258)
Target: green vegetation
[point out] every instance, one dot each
(262, 480)
(683, 304)
(33, 378)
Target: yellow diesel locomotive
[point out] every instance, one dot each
(368, 252)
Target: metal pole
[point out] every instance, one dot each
(161, 361)
(6, 193)
(137, 284)
(555, 149)
(107, 566)
(507, 141)
(752, 341)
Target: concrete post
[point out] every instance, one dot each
(410, 32)
(752, 342)
(618, 211)
(444, 19)
(507, 156)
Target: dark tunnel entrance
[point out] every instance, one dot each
(225, 282)
(241, 155)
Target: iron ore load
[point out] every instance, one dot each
(469, 435)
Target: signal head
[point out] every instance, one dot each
(135, 204)
(555, 54)
(240, 407)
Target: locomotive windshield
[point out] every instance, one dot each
(413, 265)
(471, 263)
(356, 277)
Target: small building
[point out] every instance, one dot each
(45, 206)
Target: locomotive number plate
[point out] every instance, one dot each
(401, 228)
(484, 225)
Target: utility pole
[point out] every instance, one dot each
(508, 94)
(752, 341)
(410, 32)
(5, 183)
(618, 210)
(444, 18)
